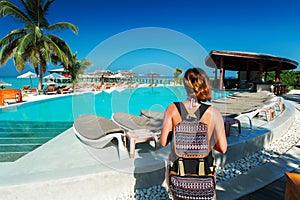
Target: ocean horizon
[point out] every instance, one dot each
(19, 83)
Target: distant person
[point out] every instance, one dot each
(198, 90)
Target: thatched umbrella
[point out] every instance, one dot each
(152, 76)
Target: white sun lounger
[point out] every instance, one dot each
(266, 112)
(134, 122)
(97, 132)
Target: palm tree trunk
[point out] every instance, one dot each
(74, 86)
(40, 81)
(42, 71)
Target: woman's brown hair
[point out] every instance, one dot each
(197, 84)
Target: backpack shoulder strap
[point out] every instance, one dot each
(181, 109)
(199, 112)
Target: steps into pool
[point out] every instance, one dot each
(18, 138)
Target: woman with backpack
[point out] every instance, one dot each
(194, 130)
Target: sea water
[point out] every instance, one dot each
(19, 83)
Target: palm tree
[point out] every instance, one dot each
(34, 43)
(75, 68)
(177, 73)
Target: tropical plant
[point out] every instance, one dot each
(77, 67)
(287, 77)
(177, 73)
(34, 43)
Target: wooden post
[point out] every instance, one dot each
(221, 73)
(215, 85)
(247, 71)
(261, 67)
(277, 76)
(216, 72)
(266, 75)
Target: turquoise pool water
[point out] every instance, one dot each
(67, 108)
(25, 127)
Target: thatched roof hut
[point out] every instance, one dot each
(247, 62)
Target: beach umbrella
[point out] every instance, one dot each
(116, 76)
(3, 84)
(28, 75)
(49, 82)
(60, 70)
(131, 75)
(54, 76)
(152, 76)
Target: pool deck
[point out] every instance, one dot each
(276, 189)
(64, 168)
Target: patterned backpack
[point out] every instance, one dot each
(191, 170)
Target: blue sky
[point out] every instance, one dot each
(269, 27)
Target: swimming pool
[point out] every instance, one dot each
(67, 108)
(24, 127)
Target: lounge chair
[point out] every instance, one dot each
(278, 107)
(97, 132)
(153, 114)
(246, 106)
(65, 90)
(6, 95)
(133, 122)
(50, 90)
(99, 87)
(26, 89)
(266, 114)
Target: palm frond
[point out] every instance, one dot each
(35, 11)
(23, 50)
(54, 59)
(33, 59)
(38, 33)
(7, 51)
(62, 45)
(46, 52)
(54, 48)
(62, 26)
(24, 43)
(85, 63)
(13, 35)
(9, 8)
(5, 54)
(19, 62)
(47, 5)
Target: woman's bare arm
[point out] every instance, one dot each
(167, 126)
(219, 132)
